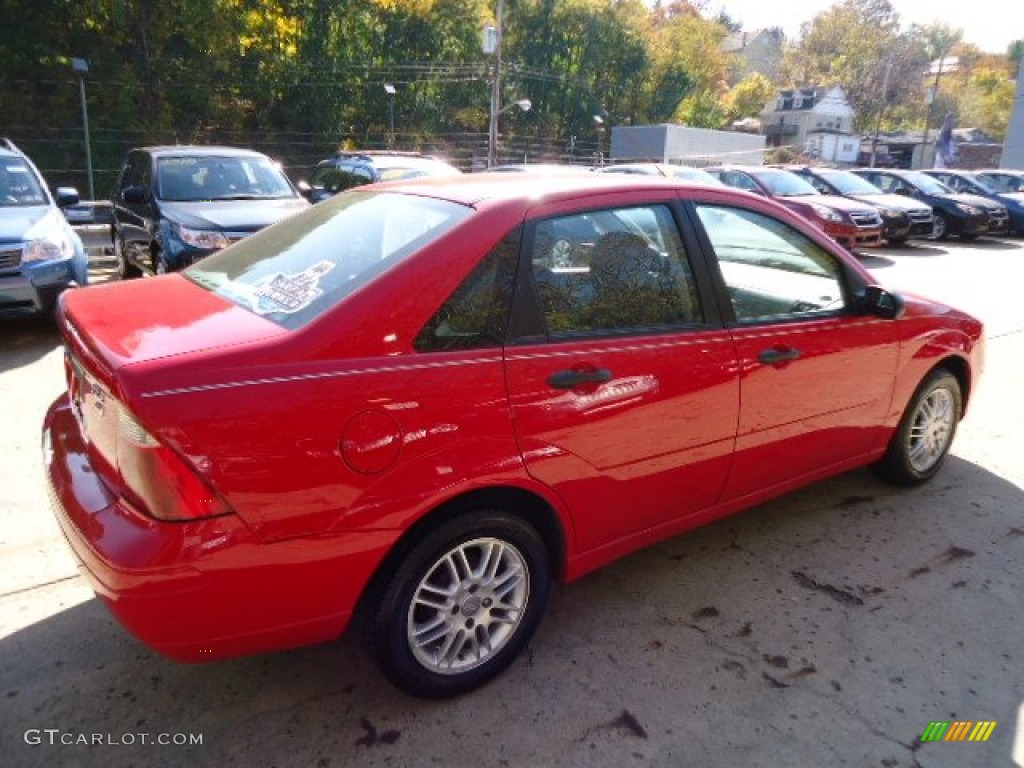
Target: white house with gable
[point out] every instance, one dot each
(817, 121)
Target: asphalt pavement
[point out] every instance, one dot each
(829, 628)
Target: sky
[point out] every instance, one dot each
(989, 24)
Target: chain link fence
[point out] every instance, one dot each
(60, 154)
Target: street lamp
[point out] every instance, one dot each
(389, 89)
(524, 104)
(81, 67)
(599, 126)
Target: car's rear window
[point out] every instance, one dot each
(294, 271)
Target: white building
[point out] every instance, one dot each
(817, 121)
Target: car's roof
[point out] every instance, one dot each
(475, 188)
(545, 168)
(200, 150)
(382, 157)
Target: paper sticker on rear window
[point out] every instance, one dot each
(290, 293)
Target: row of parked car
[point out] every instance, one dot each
(173, 205)
(863, 206)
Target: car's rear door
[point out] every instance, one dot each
(816, 376)
(622, 380)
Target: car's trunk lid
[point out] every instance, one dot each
(108, 328)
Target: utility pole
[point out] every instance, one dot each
(932, 96)
(881, 109)
(492, 133)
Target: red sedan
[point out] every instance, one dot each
(404, 402)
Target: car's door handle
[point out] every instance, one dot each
(776, 355)
(574, 378)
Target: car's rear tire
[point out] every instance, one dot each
(461, 605)
(125, 269)
(921, 443)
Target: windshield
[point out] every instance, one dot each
(296, 270)
(926, 183)
(190, 179)
(18, 185)
(785, 184)
(851, 184)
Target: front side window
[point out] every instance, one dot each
(771, 270)
(613, 270)
(296, 270)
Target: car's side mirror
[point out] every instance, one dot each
(902, 191)
(66, 196)
(879, 302)
(134, 195)
(304, 189)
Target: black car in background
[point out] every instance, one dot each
(966, 216)
(974, 184)
(344, 170)
(903, 217)
(173, 205)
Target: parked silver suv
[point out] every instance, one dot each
(40, 254)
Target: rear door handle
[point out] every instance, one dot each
(572, 378)
(776, 355)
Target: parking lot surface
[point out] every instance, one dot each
(828, 628)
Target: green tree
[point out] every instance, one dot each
(988, 102)
(749, 96)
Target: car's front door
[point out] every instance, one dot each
(136, 215)
(816, 376)
(625, 402)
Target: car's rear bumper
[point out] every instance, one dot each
(202, 590)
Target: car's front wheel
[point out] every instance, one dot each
(462, 604)
(925, 433)
(125, 269)
(940, 227)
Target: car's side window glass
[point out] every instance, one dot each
(613, 269)
(740, 181)
(145, 173)
(819, 185)
(771, 270)
(476, 314)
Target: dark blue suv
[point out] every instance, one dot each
(40, 255)
(174, 205)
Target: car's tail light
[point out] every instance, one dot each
(157, 479)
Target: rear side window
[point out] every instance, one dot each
(294, 271)
(476, 315)
(613, 270)
(336, 179)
